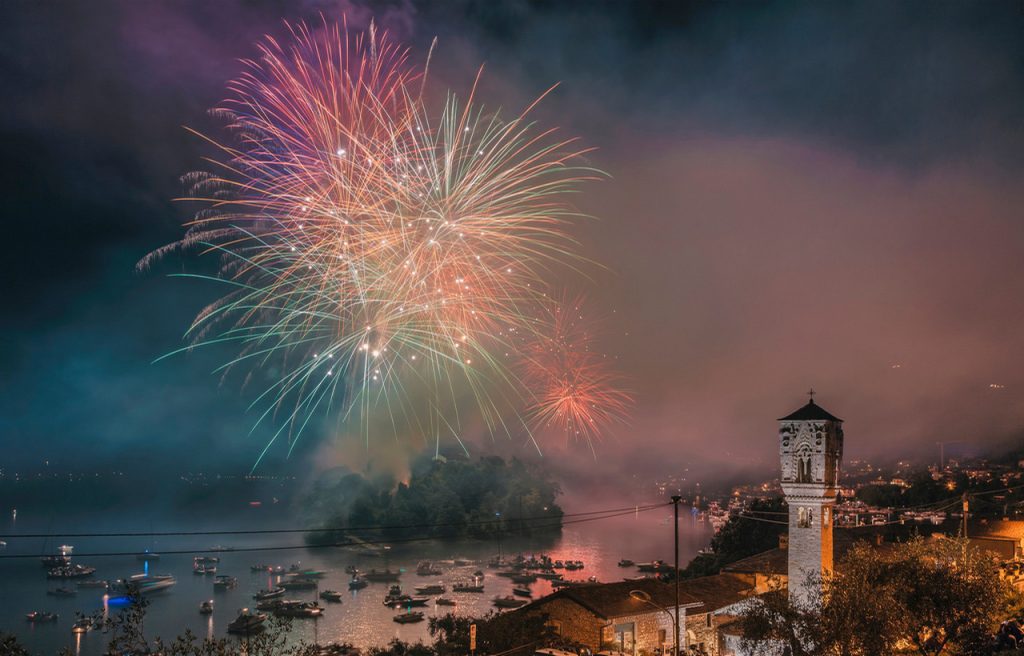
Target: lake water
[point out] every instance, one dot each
(361, 618)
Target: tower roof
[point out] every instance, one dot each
(811, 412)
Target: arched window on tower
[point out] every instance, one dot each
(803, 468)
(804, 518)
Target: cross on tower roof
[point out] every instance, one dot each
(811, 393)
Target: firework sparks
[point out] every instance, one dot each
(578, 392)
(380, 256)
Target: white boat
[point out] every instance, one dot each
(247, 622)
(206, 608)
(269, 594)
(224, 582)
(145, 584)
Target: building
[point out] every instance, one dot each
(810, 451)
(606, 616)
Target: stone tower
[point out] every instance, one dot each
(810, 448)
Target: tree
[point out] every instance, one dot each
(929, 596)
(741, 537)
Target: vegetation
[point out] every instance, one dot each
(739, 538)
(925, 596)
(921, 490)
(448, 500)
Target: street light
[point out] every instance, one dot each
(640, 595)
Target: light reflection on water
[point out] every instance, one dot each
(362, 618)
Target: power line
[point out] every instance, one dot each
(328, 529)
(351, 543)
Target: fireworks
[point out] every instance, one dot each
(386, 260)
(577, 392)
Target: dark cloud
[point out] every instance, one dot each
(801, 194)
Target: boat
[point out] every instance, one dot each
(508, 602)
(247, 622)
(626, 562)
(296, 608)
(144, 584)
(549, 575)
(57, 560)
(467, 587)
(218, 547)
(406, 601)
(92, 583)
(558, 565)
(381, 576)
(308, 573)
(653, 566)
(39, 616)
(50, 562)
(479, 573)
(573, 564)
(261, 568)
(522, 592)
(70, 572)
(567, 583)
(462, 562)
(523, 578)
(331, 595)
(269, 594)
(351, 569)
(147, 556)
(206, 608)
(433, 589)
(224, 582)
(426, 568)
(62, 592)
(444, 601)
(408, 618)
(394, 592)
(299, 583)
(83, 625)
(357, 583)
(205, 560)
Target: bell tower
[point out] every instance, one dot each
(810, 450)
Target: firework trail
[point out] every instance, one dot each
(386, 258)
(577, 391)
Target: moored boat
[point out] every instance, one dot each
(444, 601)
(83, 625)
(433, 589)
(93, 583)
(626, 562)
(467, 587)
(144, 584)
(508, 602)
(522, 592)
(206, 608)
(357, 583)
(269, 594)
(331, 595)
(62, 592)
(224, 582)
(299, 583)
(70, 572)
(247, 622)
(381, 576)
(40, 616)
(408, 618)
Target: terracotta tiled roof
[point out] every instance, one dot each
(608, 600)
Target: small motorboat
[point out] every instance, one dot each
(62, 592)
(299, 583)
(406, 601)
(83, 625)
(351, 569)
(269, 594)
(205, 560)
(206, 608)
(331, 595)
(626, 562)
(549, 575)
(523, 578)
(378, 576)
(522, 592)
(509, 602)
(224, 582)
(147, 556)
(408, 618)
(247, 622)
(468, 587)
(426, 568)
(261, 568)
(93, 583)
(357, 583)
(39, 616)
(204, 569)
(444, 601)
(296, 608)
(433, 589)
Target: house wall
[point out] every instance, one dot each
(575, 622)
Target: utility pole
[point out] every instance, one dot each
(675, 503)
(966, 504)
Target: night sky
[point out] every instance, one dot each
(800, 194)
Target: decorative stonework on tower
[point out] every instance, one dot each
(810, 449)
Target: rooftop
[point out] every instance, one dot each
(811, 412)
